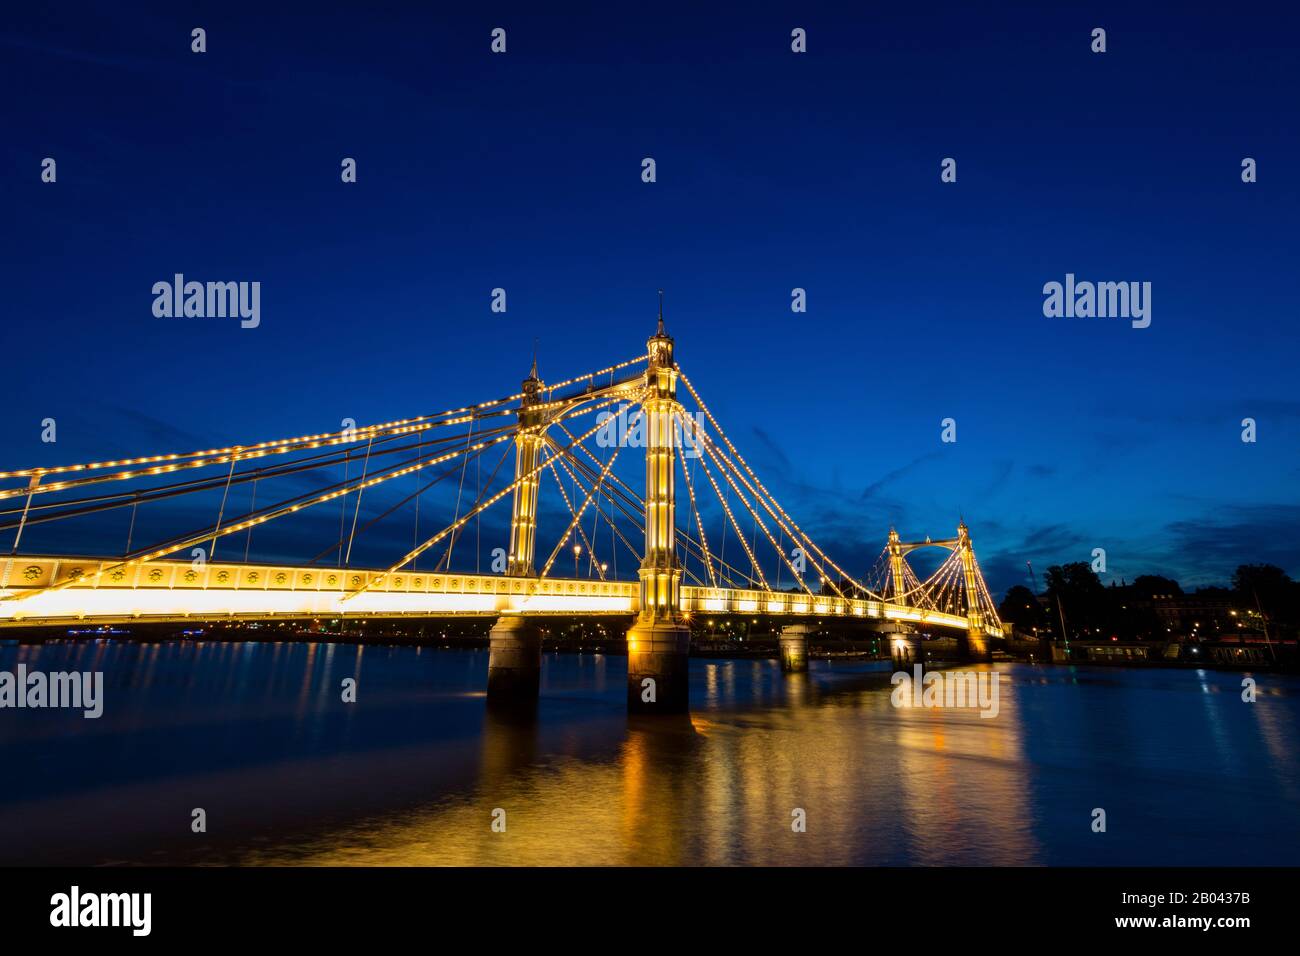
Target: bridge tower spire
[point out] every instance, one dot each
(658, 643)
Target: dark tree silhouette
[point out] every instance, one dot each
(1021, 609)
(1081, 597)
(1268, 588)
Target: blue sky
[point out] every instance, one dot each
(775, 171)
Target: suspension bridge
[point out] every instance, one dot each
(568, 436)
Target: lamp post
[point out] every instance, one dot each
(577, 550)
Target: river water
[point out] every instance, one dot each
(416, 770)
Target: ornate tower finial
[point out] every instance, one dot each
(532, 385)
(661, 331)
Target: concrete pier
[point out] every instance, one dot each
(904, 649)
(794, 647)
(973, 646)
(658, 668)
(514, 659)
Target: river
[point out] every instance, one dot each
(416, 771)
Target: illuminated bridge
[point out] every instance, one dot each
(572, 433)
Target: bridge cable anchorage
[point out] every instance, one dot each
(722, 434)
(527, 476)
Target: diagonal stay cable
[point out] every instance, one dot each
(287, 506)
(631, 506)
(100, 503)
(419, 491)
(577, 518)
(565, 495)
(732, 448)
(478, 500)
(430, 542)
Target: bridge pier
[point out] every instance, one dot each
(794, 647)
(514, 660)
(904, 649)
(973, 645)
(658, 668)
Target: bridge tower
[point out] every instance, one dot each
(659, 641)
(523, 513)
(896, 565)
(976, 638)
(515, 642)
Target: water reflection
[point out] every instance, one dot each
(411, 773)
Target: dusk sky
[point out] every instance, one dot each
(775, 170)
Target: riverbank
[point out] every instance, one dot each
(604, 639)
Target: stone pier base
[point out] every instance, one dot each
(514, 660)
(658, 660)
(904, 649)
(794, 647)
(973, 646)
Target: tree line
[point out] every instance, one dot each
(1262, 597)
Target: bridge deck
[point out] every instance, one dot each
(95, 590)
